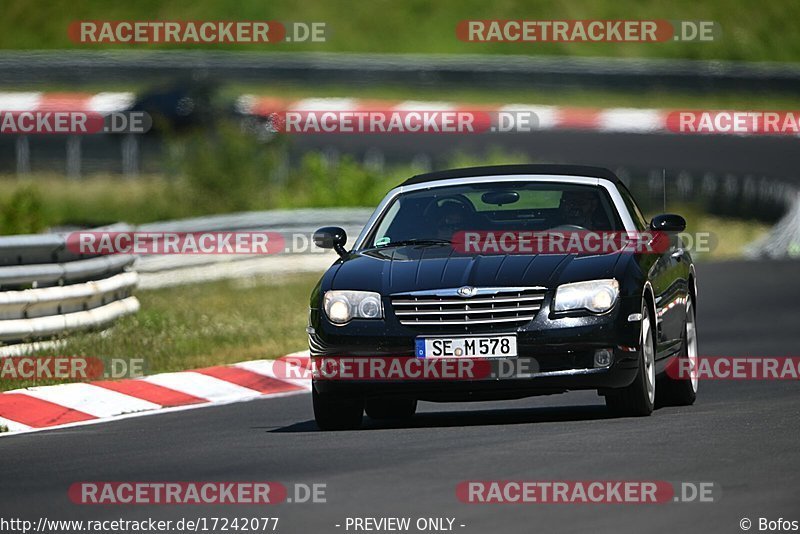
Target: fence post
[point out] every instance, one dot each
(130, 156)
(74, 156)
(23, 155)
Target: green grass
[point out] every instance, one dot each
(232, 172)
(194, 326)
(225, 174)
(54, 201)
(754, 31)
(729, 236)
(93, 201)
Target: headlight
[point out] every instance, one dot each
(341, 306)
(597, 296)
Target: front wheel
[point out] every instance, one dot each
(337, 413)
(638, 399)
(682, 390)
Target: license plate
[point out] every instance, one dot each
(467, 347)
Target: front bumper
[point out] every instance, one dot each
(559, 349)
(546, 383)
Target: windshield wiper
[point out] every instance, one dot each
(413, 242)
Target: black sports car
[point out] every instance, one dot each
(439, 273)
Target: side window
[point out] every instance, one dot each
(636, 213)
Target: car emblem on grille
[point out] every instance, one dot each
(466, 291)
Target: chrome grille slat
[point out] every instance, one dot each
(467, 312)
(490, 306)
(471, 301)
(472, 321)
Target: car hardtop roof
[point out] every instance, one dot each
(526, 169)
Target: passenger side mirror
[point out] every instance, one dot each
(331, 237)
(668, 222)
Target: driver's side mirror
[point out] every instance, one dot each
(668, 222)
(331, 237)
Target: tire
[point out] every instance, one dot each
(682, 391)
(391, 408)
(337, 413)
(638, 399)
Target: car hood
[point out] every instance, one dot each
(404, 269)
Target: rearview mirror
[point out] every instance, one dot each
(331, 237)
(668, 222)
(500, 198)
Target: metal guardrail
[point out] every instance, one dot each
(46, 289)
(54, 274)
(54, 325)
(406, 69)
(783, 239)
(171, 270)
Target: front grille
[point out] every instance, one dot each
(487, 307)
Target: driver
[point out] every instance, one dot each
(579, 208)
(450, 218)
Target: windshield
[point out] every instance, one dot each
(436, 214)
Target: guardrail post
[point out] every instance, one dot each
(422, 163)
(130, 156)
(280, 174)
(783, 240)
(23, 155)
(330, 157)
(375, 160)
(74, 156)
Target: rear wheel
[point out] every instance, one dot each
(337, 413)
(391, 408)
(682, 390)
(638, 399)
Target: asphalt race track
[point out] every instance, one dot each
(741, 435)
